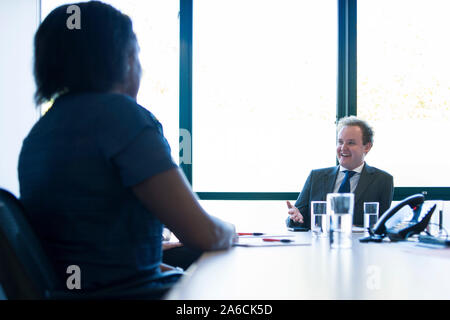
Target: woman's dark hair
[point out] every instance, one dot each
(93, 58)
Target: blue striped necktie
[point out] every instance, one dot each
(345, 185)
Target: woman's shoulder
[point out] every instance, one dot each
(92, 102)
(119, 108)
(116, 102)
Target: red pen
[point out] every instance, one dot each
(250, 234)
(277, 240)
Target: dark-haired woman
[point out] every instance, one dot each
(96, 176)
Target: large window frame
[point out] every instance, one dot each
(346, 101)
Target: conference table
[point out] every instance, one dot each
(311, 269)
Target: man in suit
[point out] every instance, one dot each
(353, 174)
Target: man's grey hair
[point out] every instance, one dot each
(367, 131)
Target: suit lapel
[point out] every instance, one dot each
(364, 182)
(330, 179)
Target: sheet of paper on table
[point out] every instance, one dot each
(259, 242)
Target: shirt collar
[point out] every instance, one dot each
(357, 170)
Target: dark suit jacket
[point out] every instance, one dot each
(374, 185)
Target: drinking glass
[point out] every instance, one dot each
(340, 209)
(319, 225)
(370, 215)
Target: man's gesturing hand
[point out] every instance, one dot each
(294, 213)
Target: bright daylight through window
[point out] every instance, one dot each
(404, 87)
(264, 93)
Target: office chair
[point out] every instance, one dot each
(26, 271)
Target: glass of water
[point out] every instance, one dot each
(340, 209)
(370, 215)
(319, 225)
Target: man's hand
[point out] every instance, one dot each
(294, 213)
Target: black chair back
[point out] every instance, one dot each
(25, 271)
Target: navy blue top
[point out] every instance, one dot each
(76, 168)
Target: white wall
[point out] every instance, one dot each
(18, 23)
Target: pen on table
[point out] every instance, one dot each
(250, 233)
(277, 240)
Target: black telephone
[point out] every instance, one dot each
(403, 230)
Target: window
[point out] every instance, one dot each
(264, 93)
(263, 76)
(404, 87)
(243, 213)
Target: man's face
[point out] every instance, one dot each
(350, 149)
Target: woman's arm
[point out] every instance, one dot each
(169, 197)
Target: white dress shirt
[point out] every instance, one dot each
(353, 180)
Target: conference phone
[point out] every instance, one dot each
(392, 223)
